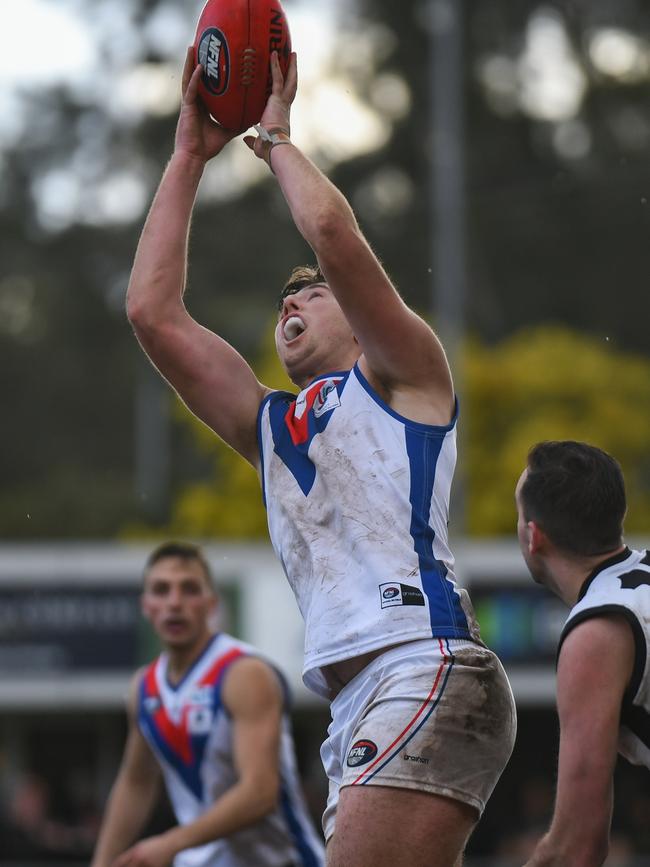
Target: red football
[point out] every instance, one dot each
(234, 41)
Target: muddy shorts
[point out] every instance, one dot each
(435, 715)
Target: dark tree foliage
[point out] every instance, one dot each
(550, 238)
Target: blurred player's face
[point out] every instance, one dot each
(313, 336)
(179, 602)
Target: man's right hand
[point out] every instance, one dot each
(197, 134)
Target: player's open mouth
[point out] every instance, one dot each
(292, 328)
(174, 625)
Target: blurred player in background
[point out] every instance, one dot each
(356, 472)
(571, 506)
(209, 717)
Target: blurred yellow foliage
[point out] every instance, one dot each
(542, 383)
(550, 383)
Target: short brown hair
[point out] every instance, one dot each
(301, 276)
(184, 551)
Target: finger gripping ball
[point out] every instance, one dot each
(233, 43)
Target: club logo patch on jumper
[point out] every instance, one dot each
(202, 695)
(326, 399)
(394, 593)
(152, 704)
(321, 398)
(199, 720)
(361, 753)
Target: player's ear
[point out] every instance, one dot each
(537, 538)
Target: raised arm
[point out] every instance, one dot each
(210, 376)
(253, 697)
(133, 795)
(401, 354)
(594, 669)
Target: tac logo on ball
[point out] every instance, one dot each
(214, 57)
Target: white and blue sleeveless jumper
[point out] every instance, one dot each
(357, 499)
(190, 732)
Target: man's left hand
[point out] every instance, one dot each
(278, 108)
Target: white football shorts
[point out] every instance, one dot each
(435, 715)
